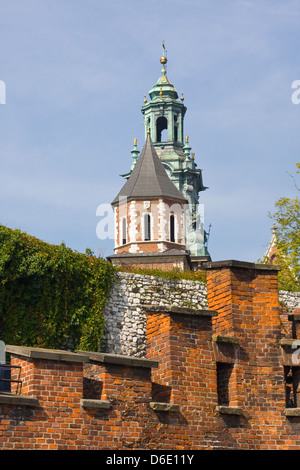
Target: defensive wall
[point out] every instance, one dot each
(218, 375)
(125, 315)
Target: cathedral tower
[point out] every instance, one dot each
(164, 117)
(150, 216)
(156, 211)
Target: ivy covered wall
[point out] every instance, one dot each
(51, 296)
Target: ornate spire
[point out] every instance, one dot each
(135, 153)
(163, 60)
(163, 88)
(187, 148)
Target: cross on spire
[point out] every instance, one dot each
(163, 59)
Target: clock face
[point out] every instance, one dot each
(191, 238)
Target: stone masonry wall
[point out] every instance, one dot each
(125, 316)
(291, 300)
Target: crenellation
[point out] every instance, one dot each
(220, 375)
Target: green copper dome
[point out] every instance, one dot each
(163, 88)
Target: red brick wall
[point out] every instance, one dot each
(150, 247)
(163, 262)
(246, 297)
(182, 343)
(55, 421)
(212, 380)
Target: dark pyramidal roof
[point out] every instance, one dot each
(149, 178)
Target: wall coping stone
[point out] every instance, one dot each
(50, 354)
(20, 400)
(287, 342)
(95, 404)
(292, 411)
(181, 310)
(119, 359)
(239, 264)
(158, 406)
(229, 410)
(225, 339)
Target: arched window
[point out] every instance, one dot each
(124, 231)
(147, 227)
(172, 228)
(161, 125)
(175, 129)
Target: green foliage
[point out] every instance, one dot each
(51, 296)
(173, 274)
(287, 220)
(287, 217)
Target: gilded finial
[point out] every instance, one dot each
(135, 153)
(187, 148)
(160, 93)
(182, 98)
(145, 99)
(193, 156)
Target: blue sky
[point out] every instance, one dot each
(76, 72)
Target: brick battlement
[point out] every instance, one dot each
(222, 377)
